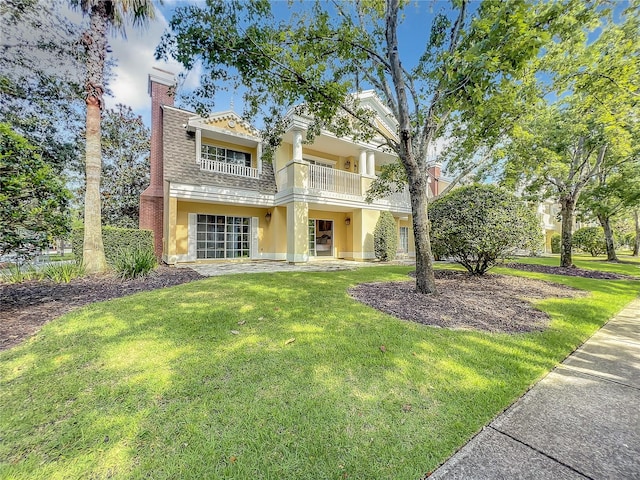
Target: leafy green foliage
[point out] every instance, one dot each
(385, 237)
(33, 199)
(556, 242)
(19, 273)
(125, 166)
(592, 123)
(477, 225)
(591, 240)
(62, 272)
(134, 262)
(115, 239)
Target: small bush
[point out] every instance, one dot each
(385, 237)
(591, 240)
(478, 225)
(114, 239)
(135, 262)
(62, 272)
(17, 273)
(556, 243)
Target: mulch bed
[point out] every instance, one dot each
(25, 307)
(494, 303)
(570, 271)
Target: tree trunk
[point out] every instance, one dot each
(425, 279)
(608, 238)
(93, 258)
(636, 244)
(95, 43)
(416, 171)
(567, 207)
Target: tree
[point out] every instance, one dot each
(611, 192)
(103, 15)
(477, 225)
(559, 147)
(385, 237)
(327, 50)
(41, 78)
(125, 170)
(591, 240)
(33, 199)
(636, 239)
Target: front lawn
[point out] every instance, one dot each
(268, 376)
(627, 265)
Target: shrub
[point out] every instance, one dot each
(591, 240)
(556, 243)
(385, 237)
(478, 225)
(135, 262)
(115, 239)
(18, 273)
(62, 272)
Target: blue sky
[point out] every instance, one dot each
(135, 55)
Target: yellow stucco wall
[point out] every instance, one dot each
(341, 232)
(269, 232)
(223, 123)
(283, 155)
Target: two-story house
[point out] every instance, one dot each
(212, 197)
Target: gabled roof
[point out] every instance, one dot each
(227, 123)
(369, 100)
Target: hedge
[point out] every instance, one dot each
(385, 237)
(115, 239)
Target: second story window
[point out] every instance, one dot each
(225, 155)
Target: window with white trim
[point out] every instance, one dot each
(320, 163)
(225, 155)
(404, 239)
(219, 236)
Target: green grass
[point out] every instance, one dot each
(157, 385)
(627, 265)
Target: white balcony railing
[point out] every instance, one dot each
(333, 180)
(228, 168)
(400, 199)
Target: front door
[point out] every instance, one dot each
(320, 238)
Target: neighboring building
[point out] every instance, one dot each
(549, 214)
(211, 196)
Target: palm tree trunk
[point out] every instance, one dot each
(95, 43)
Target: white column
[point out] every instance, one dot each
(259, 155)
(362, 162)
(297, 145)
(198, 144)
(371, 164)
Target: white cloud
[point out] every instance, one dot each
(135, 58)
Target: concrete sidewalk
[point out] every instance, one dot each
(582, 421)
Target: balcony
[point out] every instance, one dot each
(228, 168)
(333, 180)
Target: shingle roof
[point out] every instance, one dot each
(179, 147)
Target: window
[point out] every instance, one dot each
(320, 163)
(404, 239)
(219, 236)
(225, 155)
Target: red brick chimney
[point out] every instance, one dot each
(151, 200)
(435, 172)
